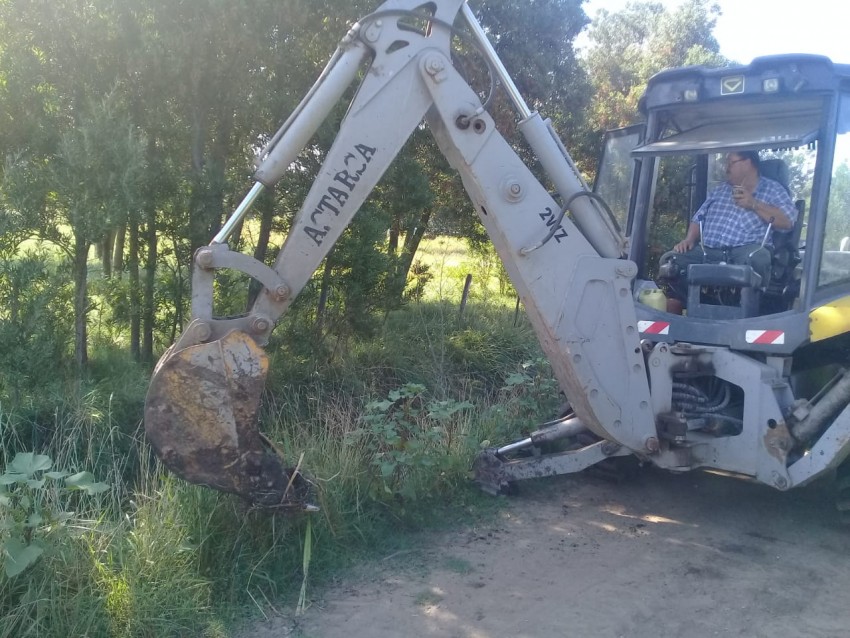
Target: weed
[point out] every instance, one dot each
(405, 438)
(34, 502)
(528, 397)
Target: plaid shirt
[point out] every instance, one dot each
(724, 224)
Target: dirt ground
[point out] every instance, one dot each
(665, 555)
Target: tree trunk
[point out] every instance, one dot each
(81, 254)
(105, 253)
(217, 170)
(324, 293)
(408, 250)
(198, 227)
(265, 204)
(149, 310)
(151, 255)
(392, 245)
(235, 239)
(177, 324)
(135, 288)
(118, 251)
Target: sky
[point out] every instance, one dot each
(750, 28)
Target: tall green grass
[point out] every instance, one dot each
(154, 556)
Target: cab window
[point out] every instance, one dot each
(835, 260)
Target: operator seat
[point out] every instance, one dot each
(741, 277)
(784, 284)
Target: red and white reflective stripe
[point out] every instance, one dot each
(654, 327)
(770, 337)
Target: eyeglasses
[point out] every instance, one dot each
(731, 162)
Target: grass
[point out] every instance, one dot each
(450, 260)
(154, 556)
(124, 562)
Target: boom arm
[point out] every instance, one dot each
(574, 286)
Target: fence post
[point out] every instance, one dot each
(465, 296)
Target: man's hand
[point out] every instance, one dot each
(683, 246)
(742, 198)
(690, 240)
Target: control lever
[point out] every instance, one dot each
(701, 245)
(767, 232)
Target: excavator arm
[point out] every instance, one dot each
(201, 408)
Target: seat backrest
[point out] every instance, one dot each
(791, 239)
(784, 285)
(785, 244)
(777, 170)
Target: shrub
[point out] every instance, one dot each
(408, 441)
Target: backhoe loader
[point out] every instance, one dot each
(750, 381)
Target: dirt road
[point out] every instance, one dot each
(666, 555)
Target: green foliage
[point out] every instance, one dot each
(631, 45)
(528, 398)
(408, 441)
(838, 222)
(487, 269)
(544, 67)
(671, 214)
(483, 353)
(360, 274)
(418, 279)
(127, 115)
(145, 573)
(32, 505)
(154, 556)
(35, 304)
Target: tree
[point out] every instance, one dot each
(199, 87)
(630, 46)
(91, 181)
(838, 219)
(65, 70)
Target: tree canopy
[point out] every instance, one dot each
(630, 46)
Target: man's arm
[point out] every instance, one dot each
(766, 211)
(781, 221)
(782, 212)
(690, 239)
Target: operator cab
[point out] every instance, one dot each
(794, 110)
